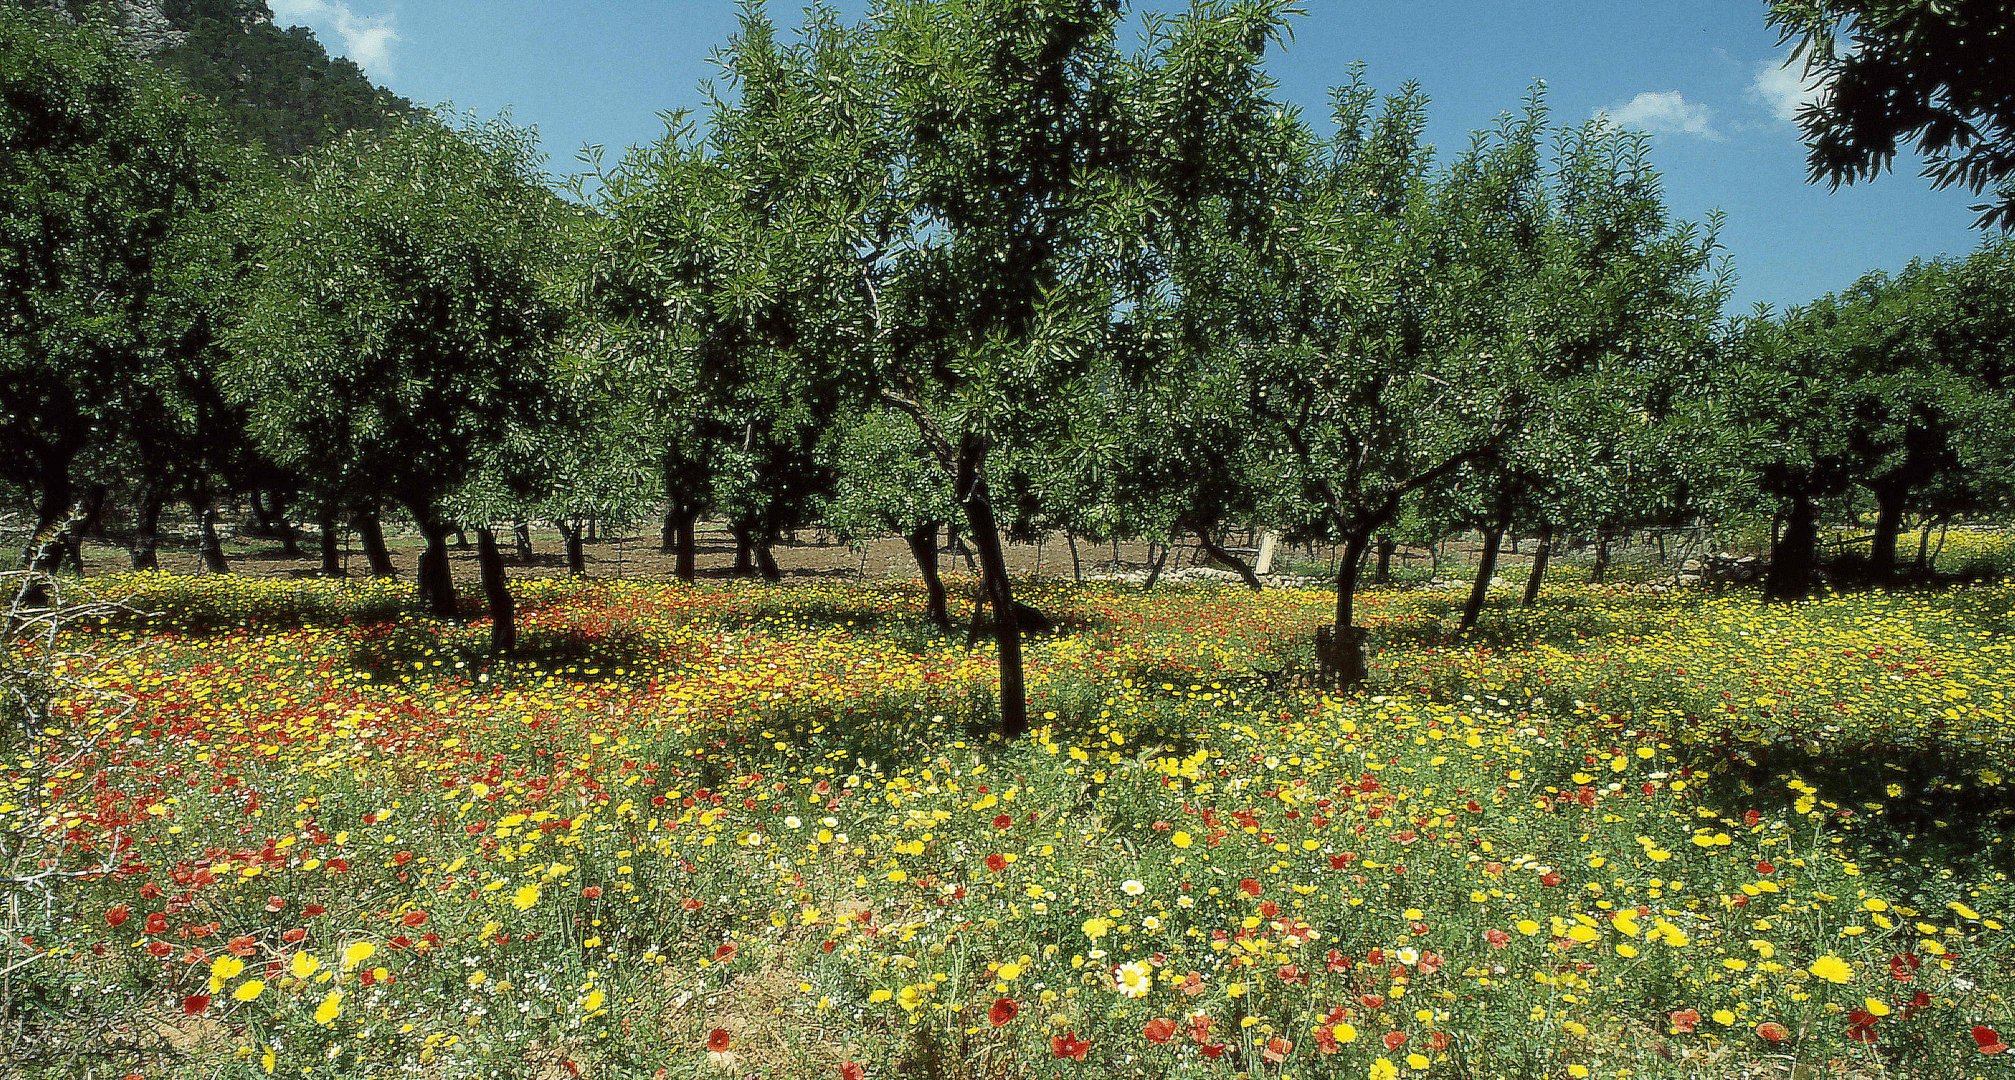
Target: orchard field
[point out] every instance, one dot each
(764, 831)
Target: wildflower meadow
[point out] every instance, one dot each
(766, 831)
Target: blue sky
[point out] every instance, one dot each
(1701, 76)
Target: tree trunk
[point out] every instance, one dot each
(1792, 556)
(371, 533)
(923, 542)
(1217, 552)
(1486, 568)
(594, 529)
(437, 584)
(212, 546)
(745, 551)
(668, 534)
(1158, 557)
(45, 548)
(1924, 547)
(147, 529)
(689, 544)
(1076, 567)
(1890, 500)
(332, 555)
(766, 561)
(1539, 560)
(497, 593)
(521, 533)
(1382, 570)
(994, 581)
(461, 538)
(1605, 535)
(1339, 648)
(570, 535)
(85, 521)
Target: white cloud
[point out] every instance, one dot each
(1663, 112)
(366, 39)
(1784, 87)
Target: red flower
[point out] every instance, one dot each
(194, 1004)
(1003, 1011)
(1068, 1045)
(294, 936)
(1550, 879)
(118, 915)
(725, 953)
(718, 1040)
(1002, 821)
(413, 918)
(157, 922)
(1159, 1030)
(1684, 1021)
(592, 892)
(850, 1070)
(691, 904)
(242, 945)
(1772, 1031)
(1395, 1039)
(1276, 1050)
(1988, 1041)
(1249, 886)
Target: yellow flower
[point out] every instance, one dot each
(1181, 839)
(1382, 1069)
(1832, 969)
(1343, 1033)
(357, 953)
(248, 990)
(525, 897)
(331, 1005)
(303, 965)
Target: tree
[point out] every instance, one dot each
(1933, 72)
(404, 322)
(102, 167)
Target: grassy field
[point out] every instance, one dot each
(737, 829)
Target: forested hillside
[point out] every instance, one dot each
(280, 89)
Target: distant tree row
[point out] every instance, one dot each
(964, 264)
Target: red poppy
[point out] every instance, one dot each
(592, 892)
(1159, 1030)
(242, 945)
(118, 915)
(157, 922)
(997, 862)
(294, 936)
(718, 1040)
(275, 903)
(1276, 1050)
(194, 1004)
(1684, 1021)
(1988, 1041)
(1002, 821)
(1861, 1026)
(1249, 886)
(691, 905)
(1772, 1031)
(1395, 1039)
(725, 953)
(850, 1070)
(1068, 1045)
(413, 918)
(1003, 1011)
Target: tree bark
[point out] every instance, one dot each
(570, 535)
(1539, 559)
(745, 551)
(689, 544)
(668, 534)
(1159, 558)
(461, 538)
(437, 583)
(1890, 500)
(1076, 567)
(45, 549)
(1486, 568)
(331, 543)
(1217, 552)
(371, 533)
(1792, 555)
(985, 530)
(521, 534)
(497, 593)
(923, 541)
(212, 546)
(1382, 570)
(766, 561)
(145, 551)
(1605, 535)
(1339, 647)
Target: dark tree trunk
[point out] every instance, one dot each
(668, 534)
(89, 508)
(521, 534)
(766, 561)
(1382, 570)
(437, 583)
(371, 534)
(45, 549)
(1486, 568)
(332, 553)
(1923, 563)
(1158, 559)
(211, 545)
(689, 544)
(1339, 647)
(1217, 552)
(1792, 556)
(570, 536)
(273, 522)
(923, 541)
(1604, 536)
(971, 482)
(1076, 567)
(1890, 500)
(461, 538)
(594, 529)
(496, 593)
(745, 551)
(1539, 559)
(146, 547)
